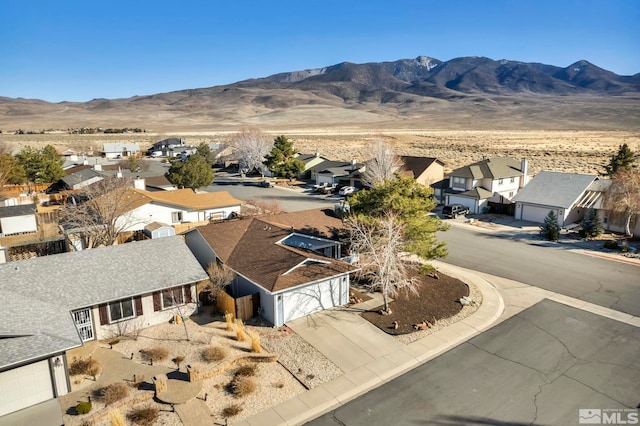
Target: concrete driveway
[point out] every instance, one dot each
(539, 367)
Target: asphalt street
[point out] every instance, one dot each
(615, 285)
(539, 367)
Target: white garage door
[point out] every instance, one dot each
(25, 386)
(467, 202)
(315, 298)
(535, 214)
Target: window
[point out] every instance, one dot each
(122, 309)
(459, 182)
(172, 297)
(512, 180)
(500, 181)
(176, 217)
(511, 194)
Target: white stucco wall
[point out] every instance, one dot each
(18, 224)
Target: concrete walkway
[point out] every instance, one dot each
(369, 357)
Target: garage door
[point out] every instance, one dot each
(314, 298)
(25, 386)
(534, 214)
(467, 202)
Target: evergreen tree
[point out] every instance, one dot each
(282, 161)
(624, 159)
(591, 225)
(195, 172)
(550, 229)
(204, 151)
(41, 166)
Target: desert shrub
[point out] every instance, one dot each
(247, 370)
(228, 317)
(114, 392)
(611, 245)
(279, 385)
(139, 380)
(255, 342)
(83, 407)
(116, 419)
(84, 366)
(145, 416)
(154, 354)
(178, 360)
(231, 410)
(242, 386)
(241, 335)
(213, 353)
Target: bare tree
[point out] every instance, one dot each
(624, 195)
(379, 246)
(383, 165)
(219, 277)
(101, 211)
(250, 148)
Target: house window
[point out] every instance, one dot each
(120, 310)
(176, 217)
(500, 181)
(172, 297)
(458, 182)
(511, 194)
(512, 180)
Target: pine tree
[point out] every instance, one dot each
(550, 229)
(624, 159)
(591, 225)
(282, 159)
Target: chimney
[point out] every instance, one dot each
(524, 168)
(97, 167)
(353, 161)
(139, 183)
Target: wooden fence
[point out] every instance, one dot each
(244, 308)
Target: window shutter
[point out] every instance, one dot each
(187, 293)
(156, 302)
(138, 300)
(102, 312)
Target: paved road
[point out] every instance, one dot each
(538, 367)
(607, 283)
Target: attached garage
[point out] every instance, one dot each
(25, 386)
(467, 202)
(535, 213)
(312, 298)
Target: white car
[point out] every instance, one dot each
(346, 190)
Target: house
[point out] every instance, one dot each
(113, 150)
(158, 183)
(338, 172)
(159, 230)
(487, 184)
(51, 304)
(562, 193)
(285, 267)
(75, 180)
(425, 170)
(138, 208)
(309, 160)
(170, 147)
(18, 219)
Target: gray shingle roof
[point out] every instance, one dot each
(21, 210)
(37, 295)
(554, 189)
(494, 168)
(80, 176)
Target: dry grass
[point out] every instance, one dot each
(113, 392)
(154, 354)
(144, 416)
(178, 360)
(255, 342)
(241, 335)
(242, 386)
(229, 320)
(84, 366)
(248, 370)
(213, 354)
(231, 410)
(116, 418)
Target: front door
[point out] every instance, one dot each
(82, 318)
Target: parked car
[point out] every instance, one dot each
(267, 183)
(330, 189)
(454, 210)
(346, 190)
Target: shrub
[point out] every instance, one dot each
(550, 229)
(246, 370)
(116, 419)
(154, 354)
(178, 360)
(255, 342)
(145, 416)
(114, 392)
(242, 386)
(231, 410)
(213, 353)
(83, 407)
(240, 333)
(228, 317)
(611, 245)
(84, 366)
(591, 225)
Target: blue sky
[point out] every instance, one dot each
(80, 50)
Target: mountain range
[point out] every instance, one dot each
(467, 91)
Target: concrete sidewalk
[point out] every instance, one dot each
(369, 357)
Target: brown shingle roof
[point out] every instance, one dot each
(250, 248)
(417, 165)
(196, 201)
(317, 222)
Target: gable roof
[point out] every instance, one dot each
(478, 193)
(19, 210)
(82, 175)
(554, 189)
(182, 198)
(52, 286)
(494, 168)
(417, 165)
(118, 147)
(271, 265)
(316, 222)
